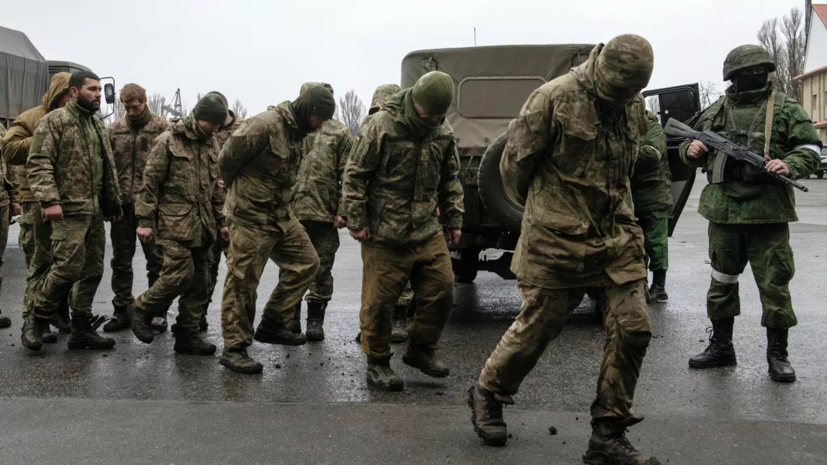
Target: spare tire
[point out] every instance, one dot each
(499, 205)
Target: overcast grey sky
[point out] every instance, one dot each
(262, 51)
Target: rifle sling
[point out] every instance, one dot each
(768, 125)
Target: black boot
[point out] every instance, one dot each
(315, 321)
(159, 324)
(141, 326)
(190, 343)
(381, 376)
(657, 293)
(295, 325)
(203, 326)
(32, 336)
(238, 361)
(423, 357)
(5, 321)
(48, 336)
(609, 446)
(84, 335)
(121, 321)
(720, 352)
(272, 332)
(487, 414)
(63, 322)
(400, 327)
(779, 367)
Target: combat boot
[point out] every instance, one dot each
(48, 336)
(5, 321)
(423, 357)
(190, 343)
(720, 352)
(315, 321)
(84, 336)
(270, 332)
(381, 376)
(239, 362)
(609, 446)
(487, 414)
(141, 326)
(120, 321)
(779, 367)
(32, 335)
(203, 326)
(63, 322)
(295, 325)
(400, 326)
(657, 293)
(159, 324)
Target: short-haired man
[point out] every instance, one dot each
(131, 138)
(72, 174)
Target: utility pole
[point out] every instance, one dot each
(176, 109)
(475, 36)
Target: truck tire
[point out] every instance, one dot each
(819, 174)
(502, 207)
(465, 269)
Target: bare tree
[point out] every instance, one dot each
(239, 109)
(653, 104)
(119, 112)
(157, 104)
(785, 41)
(351, 111)
(709, 93)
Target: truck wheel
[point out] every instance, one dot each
(465, 269)
(819, 174)
(502, 207)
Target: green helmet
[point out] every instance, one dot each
(746, 56)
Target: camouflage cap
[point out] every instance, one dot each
(308, 85)
(434, 91)
(746, 56)
(624, 68)
(382, 93)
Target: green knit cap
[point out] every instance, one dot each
(221, 96)
(434, 92)
(210, 108)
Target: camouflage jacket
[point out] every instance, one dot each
(747, 196)
(569, 159)
(317, 194)
(130, 148)
(61, 169)
(258, 165)
(652, 180)
(225, 132)
(4, 174)
(395, 180)
(179, 197)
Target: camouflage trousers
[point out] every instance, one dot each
(184, 274)
(123, 236)
(386, 271)
(542, 316)
(407, 296)
(4, 236)
(766, 248)
(325, 240)
(77, 251)
(655, 227)
(218, 248)
(250, 248)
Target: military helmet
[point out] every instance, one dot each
(746, 56)
(382, 94)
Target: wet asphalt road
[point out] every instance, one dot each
(694, 416)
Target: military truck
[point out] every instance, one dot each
(492, 84)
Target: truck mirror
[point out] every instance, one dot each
(109, 93)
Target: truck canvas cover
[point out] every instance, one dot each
(24, 74)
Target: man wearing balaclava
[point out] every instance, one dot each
(258, 164)
(179, 208)
(749, 212)
(131, 138)
(568, 159)
(403, 167)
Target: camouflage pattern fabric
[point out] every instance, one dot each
(130, 149)
(407, 295)
(325, 240)
(35, 240)
(380, 191)
(652, 180)
(386, 271)
(223, 134)
(4, 237)
(250, 248)
(577, 229)
(542, 317)
(768, 252)
(5, 175)
(655, 226)
(123, 237)
(381, 95)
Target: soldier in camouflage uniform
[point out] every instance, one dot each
(403, 167)
(6, 200)
(35, 236)
(132, 138)
(258, 165)
(749, 212)
(568, 158)
(317, 204)
(179, 203)
(72, 174)
(652, 196)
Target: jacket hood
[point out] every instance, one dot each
(60, 82)
(395, 104)
(585, 72)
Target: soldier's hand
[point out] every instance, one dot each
(53, 213)
(115, 219)
(221, 184)
(15, 209)
(339, 222)
(696, 149)
(452, 236)
(145, 234)
(778, 166)
(361, 236)
(225, 233)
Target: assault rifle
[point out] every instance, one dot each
(725, 150)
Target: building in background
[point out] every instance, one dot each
(814, 78)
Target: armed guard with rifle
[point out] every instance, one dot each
(750, 202)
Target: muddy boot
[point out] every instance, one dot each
(315, 320)
(190, 343)
(295, 325)
(159, 324)
(270, 332)
(120, 322)
(609, 446)
(32, 336)
(141, 327)
(423, 357)
(5, 321)
(657, 293)
(720, 352)
(400, 326)
(381, 375)
(487, 414)
(84, 335)
(63, 322)
(203, 326)
(779, 367)
(239, 362)
(48, 336)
